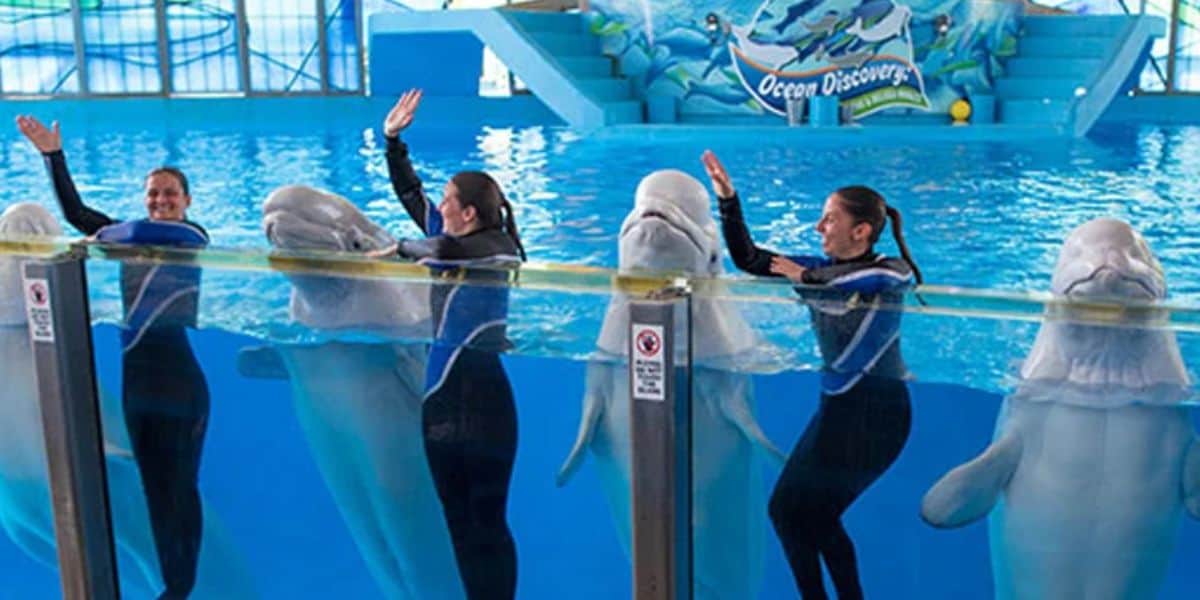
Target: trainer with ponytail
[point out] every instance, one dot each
(469, 416)
(864, 416)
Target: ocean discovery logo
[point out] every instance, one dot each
(861, 53)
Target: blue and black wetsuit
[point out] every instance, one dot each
(164, 393)
(469, 416)
(864, 417)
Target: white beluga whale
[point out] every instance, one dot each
(671, 229)
(25, 505)
(359, 404)
(1094, 458)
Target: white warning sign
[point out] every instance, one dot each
(37, 310)
(649, 365)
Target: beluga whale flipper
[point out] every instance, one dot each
(359, 404)
(671, 229)
(1095, 458)
(25, 504)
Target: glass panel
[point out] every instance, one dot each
(283, 45)
(312, 425)
(1187, 47)
(37, 48)
(1080, 384)
(203, 46)
(121, 47)
(345, 65)
(28, 555)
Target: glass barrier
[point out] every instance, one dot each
(948, 443)
(359, 417)
(28, 550)
(318, 403)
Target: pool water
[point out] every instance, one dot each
(259, 478)
(977, 214)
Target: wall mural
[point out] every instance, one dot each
(751, 57)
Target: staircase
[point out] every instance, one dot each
(1069, 68)
(554, 54)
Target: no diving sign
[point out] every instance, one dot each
(37, 310)
(649, 364)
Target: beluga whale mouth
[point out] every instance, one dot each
(1089, 354)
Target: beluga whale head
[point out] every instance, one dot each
(1107, 339)
(671, 229)
(20, 221)
(301, 218)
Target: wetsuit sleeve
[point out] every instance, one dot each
(882, 276)
(87, 220)
(746, 256)
(410, 190)
(431, 247)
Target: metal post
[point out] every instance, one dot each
(164, 54)
(1173, 38)
(56, 305)
(661, 449)
(243, 44)
(80, 51)
(322, 46)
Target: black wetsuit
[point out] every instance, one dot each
(165, 395)
(864, 417)
(469, 416)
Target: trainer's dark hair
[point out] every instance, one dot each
(477, 189)
(868, 206)
(173, 172)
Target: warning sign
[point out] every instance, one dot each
(649, 364)
(37, 310)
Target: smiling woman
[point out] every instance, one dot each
(164, 394)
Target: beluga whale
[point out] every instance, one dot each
(1094, 458)
(25, 503)
(671, 229)
(359, 403)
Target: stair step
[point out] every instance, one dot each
(605, 89)
(1038, 87)
(1022, 66)
(1064, 47)
(567, 44)
(1075, 25)
(626, 111)
(1033, 111)
(586, 66)
(548, 21)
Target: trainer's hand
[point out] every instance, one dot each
(46, 140)
(387, 252)
(788, 268)
(402, 113)
(717, 173)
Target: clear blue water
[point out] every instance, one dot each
(985, 215)
(259, 478)
(981, 215)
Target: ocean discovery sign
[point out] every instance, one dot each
(862, 54)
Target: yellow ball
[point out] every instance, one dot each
(960, 110)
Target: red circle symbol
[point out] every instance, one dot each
(38, 294)
(648, 343)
